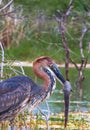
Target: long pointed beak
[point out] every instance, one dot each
(67, 89)
(57, 73)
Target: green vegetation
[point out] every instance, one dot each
(29, 50)
(77, 121)
(43, 38)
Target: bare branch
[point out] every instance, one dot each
(22, 69)
(69, 7)
(2, 62)
(61, 23)
(85, 62)
(46, 117)
(75, 64)
(65, 46)
(7, 5)
(0, 2)
(81, 41)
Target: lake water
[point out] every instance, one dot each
(56, 102)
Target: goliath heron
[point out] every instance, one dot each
(19, 91)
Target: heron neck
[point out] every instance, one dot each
(46, 75)
(49, 81)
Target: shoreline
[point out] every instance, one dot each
(28, 64)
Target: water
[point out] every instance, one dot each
(56, 105)
(56, 100)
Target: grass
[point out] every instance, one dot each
(76, 121)
(44, 38)
(31, 49)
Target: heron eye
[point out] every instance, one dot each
(51, 65)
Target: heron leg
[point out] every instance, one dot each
(12, 127)
(12, 124)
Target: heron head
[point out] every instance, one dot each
(47, 62)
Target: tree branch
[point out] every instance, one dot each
(61, 23)
(83, 61)
(75, 64)
(0, 2)
(7, 5)
(69, 7)
(2, 62)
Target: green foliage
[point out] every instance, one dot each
(41, 33)
(76, 121)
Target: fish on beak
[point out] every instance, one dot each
(67, 89)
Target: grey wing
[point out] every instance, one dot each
(12, 84)
(13, 95)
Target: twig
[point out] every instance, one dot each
(81, 41)
(80, 77)
(69, 7)
(9, 13)
(48, 109)
(0, 2)
(23, 72)
(75, 64)
(83, 61)
(8, 4)
(2, 62)
(61, 23)
(17, 71)
(46, 116)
